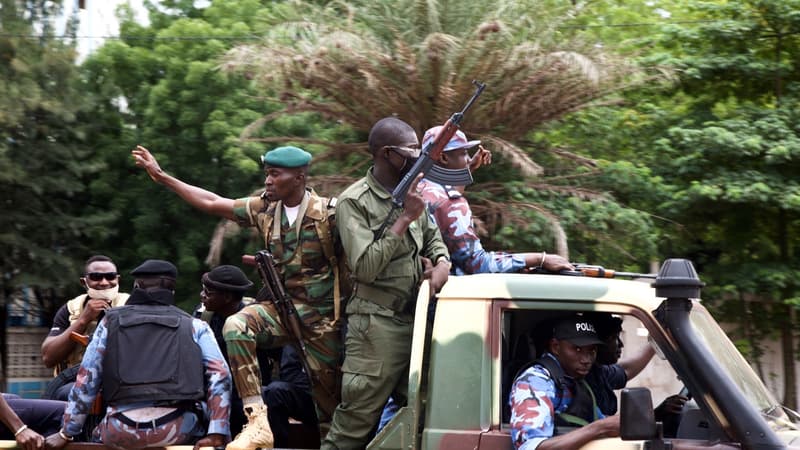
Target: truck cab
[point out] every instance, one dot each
(466, 354)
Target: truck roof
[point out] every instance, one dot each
(514, 286)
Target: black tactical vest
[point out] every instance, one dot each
(583, 408)
(151, 356)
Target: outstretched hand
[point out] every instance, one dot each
(143, 158)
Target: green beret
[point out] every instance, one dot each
(286, 157)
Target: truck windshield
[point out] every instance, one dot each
(740, 371)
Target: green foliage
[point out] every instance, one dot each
(189, 114)
(50, 222)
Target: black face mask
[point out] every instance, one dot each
(408, 163)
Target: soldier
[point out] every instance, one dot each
(388, 269)
(553, 392)
(453, 215)
(174, 389)
(290, 395)
(101, 280)
(299, 230)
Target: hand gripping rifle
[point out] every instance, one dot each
(428, 156)
(274, 291)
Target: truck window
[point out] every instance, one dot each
(525, 337)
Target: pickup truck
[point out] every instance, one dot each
(465, 355)
(463, 361)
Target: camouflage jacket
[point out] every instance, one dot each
(452, 214)
(307, 272)
(90, 375)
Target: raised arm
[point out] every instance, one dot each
(637, 362)
(198, 197)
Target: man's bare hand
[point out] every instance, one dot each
(210, 441)
(555, 263)
(93, 309)
(30, 440)
(482, 157)
(439, 275)
(146, 160)
(413, 205)
(55, 442)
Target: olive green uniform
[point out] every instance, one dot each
(309, 279)
(387, 272)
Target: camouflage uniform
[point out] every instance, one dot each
(387, 271)
(183, 429)
(451, 212)
(309, 279)
(535, 403)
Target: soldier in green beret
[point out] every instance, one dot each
(299, 230)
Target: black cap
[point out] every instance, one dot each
(227, 278)
(605, 324)
(155, 268)
(578, 330)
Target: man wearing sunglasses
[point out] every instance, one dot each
(299, 229)
(388, 263)
(81, 314)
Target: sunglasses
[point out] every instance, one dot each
(406, 152)
(97, 276)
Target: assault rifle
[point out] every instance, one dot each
(587, 270)
(275, 292)
(601, 272)
(427, 158)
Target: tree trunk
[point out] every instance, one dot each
(789, 374)
(787, 325)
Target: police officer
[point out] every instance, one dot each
(299, 230)
(388, 269)
(553, 392)
(161, 372)
(290, 395)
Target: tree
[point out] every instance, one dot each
(417, 60)
(49, 221)
(723, 142)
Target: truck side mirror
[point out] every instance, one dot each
(637, 420)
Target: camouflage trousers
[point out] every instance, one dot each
(116, 433)
(323, 349)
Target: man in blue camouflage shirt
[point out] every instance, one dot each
(448, 207)
(552, 393)
(167, 397)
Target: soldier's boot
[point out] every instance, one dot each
(256, 433)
